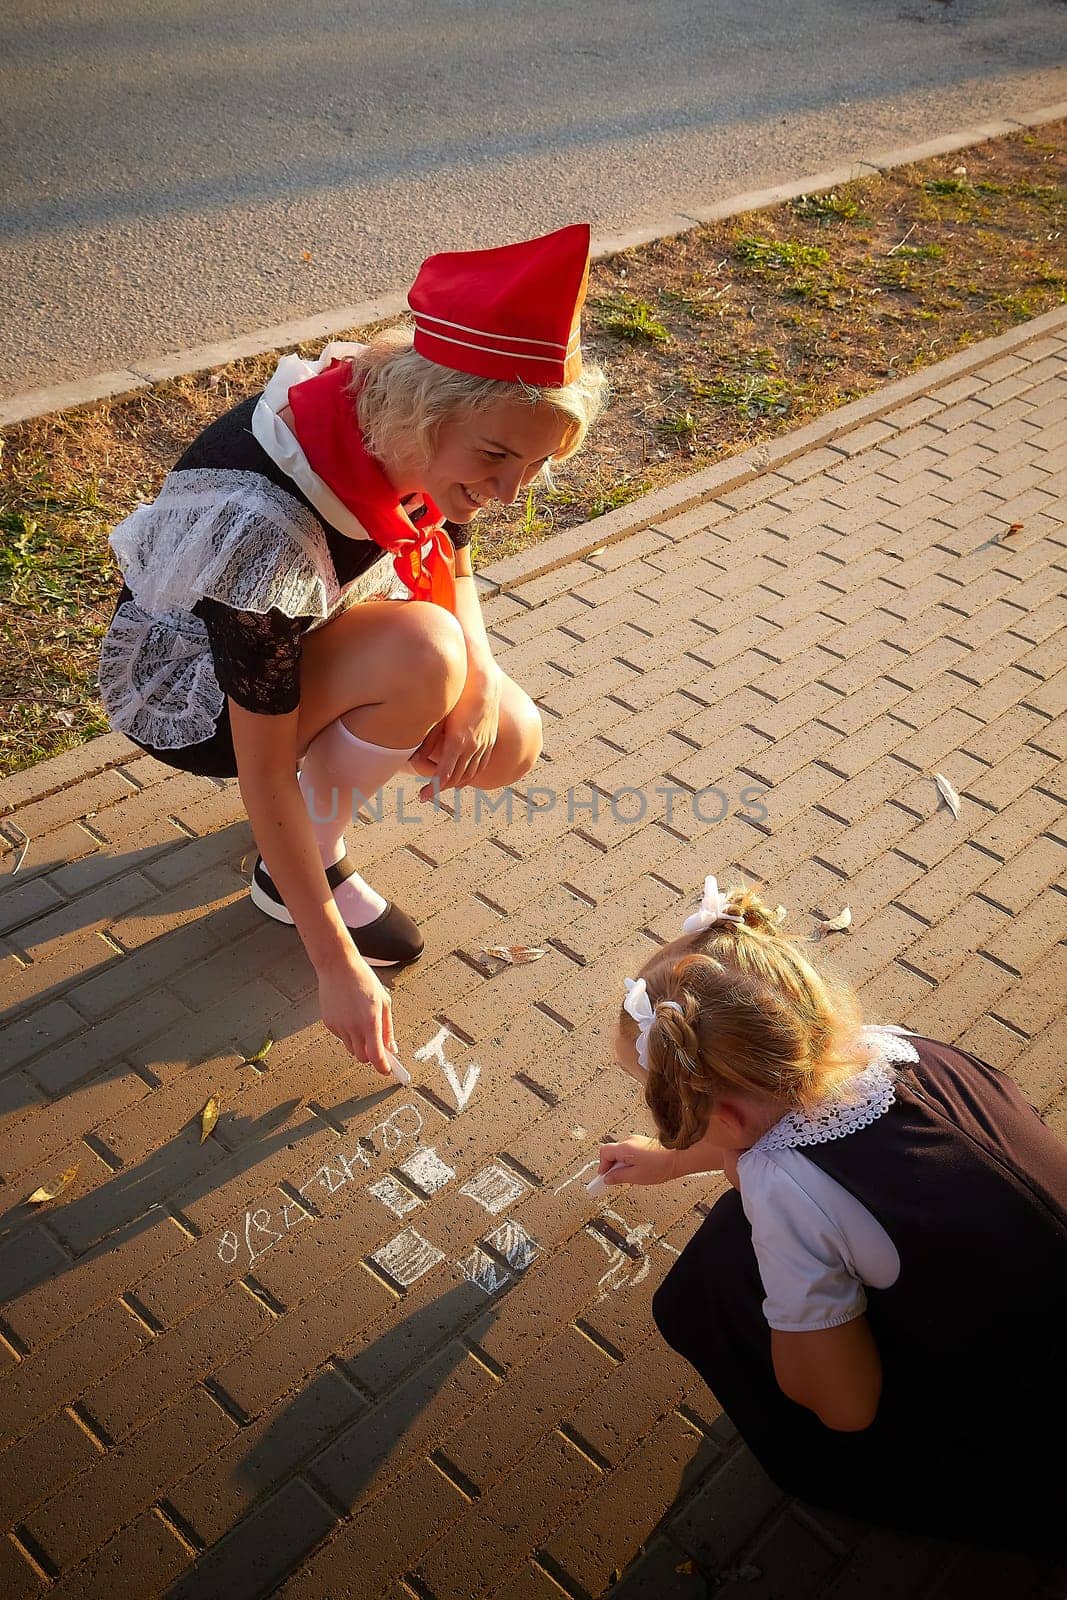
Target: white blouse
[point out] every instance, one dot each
(816, 1245)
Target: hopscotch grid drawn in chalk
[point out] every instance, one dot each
(343, 1170)
(394, 1196)
(495, 1262)
(482, 1270)
(423, 1167)
(425, 1170)
(407, 1257)
(494, 1189)
(513, 1244)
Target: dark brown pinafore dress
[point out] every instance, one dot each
(969, 1437)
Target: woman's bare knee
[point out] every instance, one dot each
(389, 670)
(526, 735)
(427, 657)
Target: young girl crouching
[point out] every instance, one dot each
(880, 1302)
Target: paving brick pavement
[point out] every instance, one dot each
(374, 1342)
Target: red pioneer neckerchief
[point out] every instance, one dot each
(327, 430)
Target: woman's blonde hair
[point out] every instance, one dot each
(402, 399)
(756, 1017)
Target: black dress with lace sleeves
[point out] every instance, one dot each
(256, 656)
(164, 671)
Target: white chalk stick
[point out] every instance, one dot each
(398, 1072)
(598, 1184)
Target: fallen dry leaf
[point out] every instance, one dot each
(839, 924)
(948, 793)
(39, 1196)
(208, 1118)
(261, 1053)
(686, 1569)
(516, 955)
(23, 847)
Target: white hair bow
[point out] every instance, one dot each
(712, 909)
(639, 1006)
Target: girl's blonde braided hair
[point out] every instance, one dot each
(738, 1006)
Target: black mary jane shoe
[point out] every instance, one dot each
(391, 940)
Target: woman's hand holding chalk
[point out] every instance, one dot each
(397, 1070)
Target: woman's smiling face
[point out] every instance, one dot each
(491, 455)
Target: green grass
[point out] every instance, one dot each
(777, 255)
(630, 319)
(604, 498)
(750, 394)
(948, 186)
(38, 569)
(533, 522)
(677, 425)
(619, 494)
(831, 207)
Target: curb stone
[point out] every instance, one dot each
(122, 381)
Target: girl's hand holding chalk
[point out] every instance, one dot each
(397, 1070)
(633, 1160)
(598, 1184)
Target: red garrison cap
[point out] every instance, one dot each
(511, 313)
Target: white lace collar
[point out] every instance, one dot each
(872, 1095)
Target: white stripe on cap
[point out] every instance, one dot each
(498, 350)
(499, 338)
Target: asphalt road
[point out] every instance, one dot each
(167, 168)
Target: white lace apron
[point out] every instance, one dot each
(224, 535)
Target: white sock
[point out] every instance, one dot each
(339, 770)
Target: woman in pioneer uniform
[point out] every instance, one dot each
(257, 633)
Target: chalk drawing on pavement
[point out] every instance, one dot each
(512, 1242)
(394, 1196)
(425, 1169)
(494, 1188)
(407, 1257)
(481, 1269)
(461, 1089)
